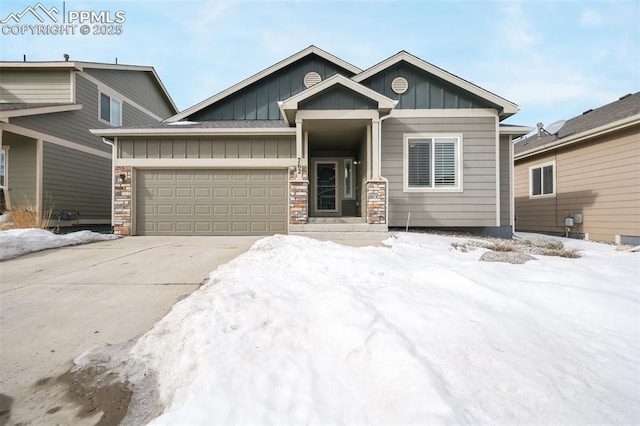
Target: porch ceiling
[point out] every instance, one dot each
(335, 134)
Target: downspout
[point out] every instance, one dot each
(113, 173)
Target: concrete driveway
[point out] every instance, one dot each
(57, 304)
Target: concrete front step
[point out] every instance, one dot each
(337, 227)
(368, 237)
(335, 220)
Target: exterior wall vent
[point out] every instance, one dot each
(311, 78)
(399, 85)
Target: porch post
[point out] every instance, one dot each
(299, 181)
(375, 150)
(299, 150)
(369, 143)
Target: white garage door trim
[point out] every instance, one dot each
(211, 201)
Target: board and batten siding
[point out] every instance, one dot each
(259, 101)
(208, 147)
(475, 206)
(30, 86)
(140, 86)
(74, 180)
(425, 91)
(22, 169)
(598, 178)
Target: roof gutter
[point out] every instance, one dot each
(578, 137)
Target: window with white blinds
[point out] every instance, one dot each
(432, 162)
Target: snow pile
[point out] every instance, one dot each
(298, 331)
(16, 242)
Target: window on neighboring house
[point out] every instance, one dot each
(432, 163)
(110, 110)
(3, 167)
(542, 180)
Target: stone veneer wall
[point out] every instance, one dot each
(298, 195)
(376, 202)
(122, 201)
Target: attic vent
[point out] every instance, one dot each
(399, 85)
(625, 96)
(587, 111)
(312, 78)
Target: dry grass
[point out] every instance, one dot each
(502, 245)
(25, 215)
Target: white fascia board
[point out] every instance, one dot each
(37, 111)
(444, 112)
(516, 130)
(41, 65)
(508, 106)
(194, 131)
(262, 74)
(383, 101)
(579, 137)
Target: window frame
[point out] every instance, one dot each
(111, 100)
(541, 166)
(5, 168)
(458, 163)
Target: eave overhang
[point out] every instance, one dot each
(581, 136)
(119, 132)
(23, 112)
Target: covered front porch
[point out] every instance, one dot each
(336, 183)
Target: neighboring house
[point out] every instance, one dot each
(314, 143)
(587, 171)
(49, 158)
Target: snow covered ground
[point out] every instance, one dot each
(16, 242)
(298, 331)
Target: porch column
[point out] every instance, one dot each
(299, 181)
(375, 150)
(369, 143)
(299, 148)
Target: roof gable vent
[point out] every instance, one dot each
(399, 85)
(311, 78)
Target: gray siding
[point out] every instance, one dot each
(208, 147)
(506, 165)
(258, 101)
(22, 169)
(475, 206)
(139, 86)
(90, 194)
(425, 91)
(71, 125)
(338, 97)
(30, 86)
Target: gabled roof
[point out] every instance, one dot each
(610, 117)
(262, 74)
(290, 105)
(508, 107)
(80, 65)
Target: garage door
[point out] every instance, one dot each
(211, 202)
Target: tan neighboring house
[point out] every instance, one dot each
(583, 178)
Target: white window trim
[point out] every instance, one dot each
(111, 98)
(405, 161)
(553, 178)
